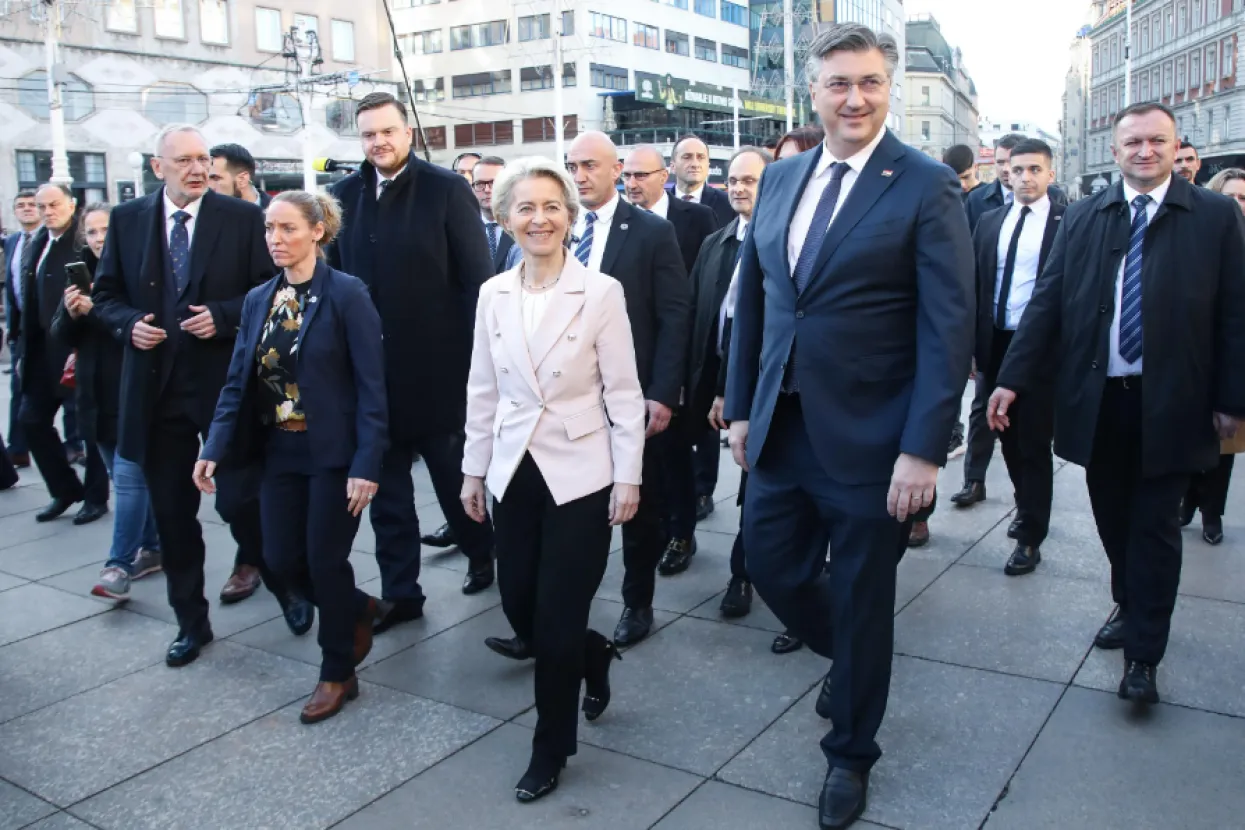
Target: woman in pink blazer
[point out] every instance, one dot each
(555, 428)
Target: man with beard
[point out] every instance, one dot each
(233, 174)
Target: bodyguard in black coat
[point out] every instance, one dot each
(693, 224)
(690, 160)
(1182, 249)
(412, 233)
(170, 285)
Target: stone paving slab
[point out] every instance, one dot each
(31, 609)
(718, 806)
(8, 581)
(19, 808)
(707, 575)
(60, 821)
(276, 772)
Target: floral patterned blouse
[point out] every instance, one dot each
(277, 355)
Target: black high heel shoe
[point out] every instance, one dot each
(597, 680)
(540, 779)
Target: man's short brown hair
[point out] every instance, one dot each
(376, 100)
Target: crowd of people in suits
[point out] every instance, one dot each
(574, 349)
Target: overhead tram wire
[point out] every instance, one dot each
(406, 81)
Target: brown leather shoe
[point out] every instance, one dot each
(20, 460)
(363, 631)
(243, 582)
(328, 699)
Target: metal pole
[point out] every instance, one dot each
(559, 137)
(788, 58)
(304, 104)
(735, 117)
(56, 114)
(1128, 54)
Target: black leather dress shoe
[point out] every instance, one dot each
(512, 647)
(1188, 509)
(597, 677)
(634, 625)
(540, 779)
(1024, 560)
(822, 706)
(704, 507)
(89, 513)
(737, 601)
(1212, 530)
(973, 492)
(394, 612)
(1013, 529)
(1111, 635)
(479, 578)
(1140, 682)
(442, 537)
(785, 643)
(185, 649)
(843, 798)
(54, 510)
(678, 557)
(299, 615)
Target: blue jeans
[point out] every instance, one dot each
(134, 524)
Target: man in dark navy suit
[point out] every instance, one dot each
(170, 284)
(690, 161)
(850, 349)
(15, 245)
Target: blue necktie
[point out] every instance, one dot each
(819, 226)
(584, 249)
(1130, 302)
(492, 239)
(179, 250)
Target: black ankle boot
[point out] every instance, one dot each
(540, 779)
(601, 653)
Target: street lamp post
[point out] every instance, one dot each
(56, 113)
(136, 163)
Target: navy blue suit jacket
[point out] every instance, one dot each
(884, 329)
(341, 379)
(10, 242)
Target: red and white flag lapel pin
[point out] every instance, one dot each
(887, 173)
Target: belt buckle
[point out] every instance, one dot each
(1124, 381)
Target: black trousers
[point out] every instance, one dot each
(40, 403)
(706, 461)
(980, 437)
(550, 561)
(8, 473)
(844, 612)
(739, 569)
(678, 478)
(17, 439)
(1138, 521)
(396, 523)
(644, 537)
(1208, 491)
(308, 533)
(173, 441)
(1027, 449)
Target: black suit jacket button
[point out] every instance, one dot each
(372, 237)
(799, 315)
(1102, 309)
(1094, 365)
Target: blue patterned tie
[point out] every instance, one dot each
(819, 226)
(179, 250)
(1130, 302)
(584, 249)
(492, 239)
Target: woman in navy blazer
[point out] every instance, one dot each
(305, 399)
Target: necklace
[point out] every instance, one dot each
(532, 288)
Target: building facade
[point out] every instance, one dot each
(130, 68)
(1185, 56)
(1074, 125)
(941, 108)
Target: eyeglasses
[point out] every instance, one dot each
(746, 181)
(640, 175)
(182, 162)
(868, 85)
(480, 187)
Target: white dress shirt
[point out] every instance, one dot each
(696, 194)
(803, 217)
(169, 221)
(727, 312)
(1117, 366)
(1028, 253)
(47, 249)
(380, 179)
(662, 206)
(600, 230)
(15, 267)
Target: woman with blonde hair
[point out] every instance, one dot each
(305, 400)
(1208, 491)
(555, 427)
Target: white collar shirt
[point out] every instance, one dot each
(697, 195)
(169, 221)
(380, 181)
(662, 206)
(1117, 366)
(600, 230)
(1028, 255)
(727, 311)
(804, 213)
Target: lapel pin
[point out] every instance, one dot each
(623, 226)
(887, 172)
(1057, 218)
(312, 299)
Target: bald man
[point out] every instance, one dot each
(691, 172)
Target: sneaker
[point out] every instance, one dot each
(114, 583)
(956, 447)
(146, 562)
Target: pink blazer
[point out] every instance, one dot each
(572, 398)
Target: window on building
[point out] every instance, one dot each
(541, 77)
(89, 172)
(479, 35)
(1227, 122)
(1113, 105)
(274, 112)
(1167, 79)
(568, 23)
(925, 96)
(307, 23)
(925, 131)
(169, 18)
(343, 40)
(1197, 14)
(734, 56)
(436, 138)
(608, 27)
(173, 103)
(1182, 18)
(646, 37)
(542, 129)
(339, 116)
(121, 16)
(1210, 64)
(607, 77)
(707, 7)
(423, 43)
(1228, 52)
(677, 43)
(429, 89)
(214, 22)
(1144, 90)
(1145, 36)
(484, 134)
(481, 83)
(267, 29)
(734, 13)
(77, 99)
(533, 27)
(1195, 71)
(678, 4)
(1180, 84)
(706, 50)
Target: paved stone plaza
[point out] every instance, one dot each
(1000, 713)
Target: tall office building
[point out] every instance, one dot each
(941, 109)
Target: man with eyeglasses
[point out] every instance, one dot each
(175, 270)
(464, 165)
